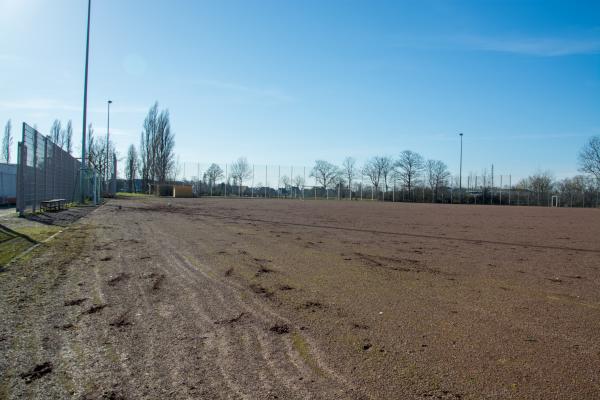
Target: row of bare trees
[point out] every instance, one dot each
(409, 169)
(101, 153)
(155, 162)
(62, 137)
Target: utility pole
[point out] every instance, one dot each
(460, 173)
(83, 131)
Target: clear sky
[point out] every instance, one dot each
(288, 82)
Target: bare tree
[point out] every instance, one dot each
(589, 158)
(131, 167)
(572, 188)
(68, 137)
(349, 168)
(91, 145)
(541, 181)
(7, 142)
(437, 175)
(101, 158)
(164, 145)
(147, 149)
(157, 147)
(324, 173)
(240, 171)
(387, 169)
(213, 173)
(298, 182)
(373, 169)
(56, 133)
(410, 165)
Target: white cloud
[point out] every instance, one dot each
(45, 104)
(273, 94)
(536, 46)
(549, 46)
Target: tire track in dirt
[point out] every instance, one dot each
(290, 363)
(224, 343)
(268, 316)
(199, 317)
(203, 303)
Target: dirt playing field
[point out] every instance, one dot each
(274, 299)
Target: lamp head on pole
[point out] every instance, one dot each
(110, 102)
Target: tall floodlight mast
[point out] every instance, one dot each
(460, 170)
(83, 131)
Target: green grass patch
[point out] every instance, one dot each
(12, 248)
(125, 195)
(5, 235)
(39, 232)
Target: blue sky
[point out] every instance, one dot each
(285, 82)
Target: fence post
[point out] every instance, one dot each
(46, 166)
(35, 186)
(304, 182)
(21, 165)
(114, 176)
(509, 188)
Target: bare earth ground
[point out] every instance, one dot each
(266, 299)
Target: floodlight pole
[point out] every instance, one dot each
(83, 155)
(460, 173)
(109, 102)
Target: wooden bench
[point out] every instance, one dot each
(53, 205)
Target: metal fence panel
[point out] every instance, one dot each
(45, 171)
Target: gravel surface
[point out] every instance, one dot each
(265, 299)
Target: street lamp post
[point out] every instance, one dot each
(83, 156)
(106, 169)
(460, 173)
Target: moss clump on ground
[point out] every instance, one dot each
(303, 350)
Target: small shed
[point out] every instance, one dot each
(182, 191)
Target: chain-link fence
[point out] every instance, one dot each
(47, 172)
(278, 181)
